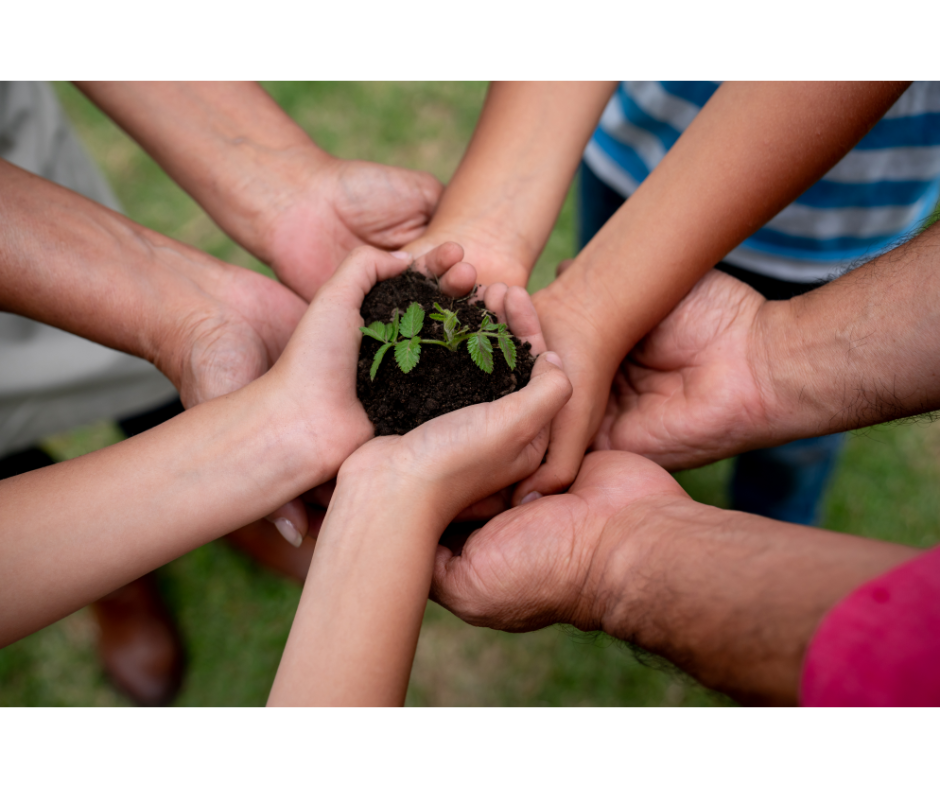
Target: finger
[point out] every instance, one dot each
(523, 320)
(445, 263)
(531, 409)
(459, 280)
(563, 266)
(359, 273)
(290, 521)
(494, 298)
(570, 438)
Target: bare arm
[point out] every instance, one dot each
(507, 192)
(263, 180)
(732, 598)
(752, 149)
(728, 372)
(67, 261)
(354, 636)
(76, 530)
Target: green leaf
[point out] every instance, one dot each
(407, 354)
(486, 322)
(509, 349)
(502, 328)
(481, 351)
(413, 320)
(379, 355)
(449, 325)
(435, 316)
(376, 331)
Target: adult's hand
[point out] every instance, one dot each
(691, 391)
(545, 562)
(264, 181)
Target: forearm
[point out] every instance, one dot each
(74, 264)
(228, 144)
(859, 351)
(510, 185)
(77, 530)
(354, 636)
(751, 151)
(731, 598)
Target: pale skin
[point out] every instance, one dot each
(733, 598)
(751, 151)
(222, 464)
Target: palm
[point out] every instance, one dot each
(531, 566)
(687, 395)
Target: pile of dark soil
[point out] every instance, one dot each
(443, 380)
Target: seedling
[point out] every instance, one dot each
(402, 334)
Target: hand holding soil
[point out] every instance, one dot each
(317, 370)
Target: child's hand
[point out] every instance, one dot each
(455, 460)
(314, 380)
(569, 331)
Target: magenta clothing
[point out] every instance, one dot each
(880, 646)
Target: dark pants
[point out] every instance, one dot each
(785, 482)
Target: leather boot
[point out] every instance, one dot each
(139, 645)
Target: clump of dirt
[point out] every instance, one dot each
(443, 380)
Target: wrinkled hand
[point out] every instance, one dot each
(550, 561)
(338, 206)
(242, 324)
(689, 393)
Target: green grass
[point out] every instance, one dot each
(235, 616)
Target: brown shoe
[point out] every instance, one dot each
(262, 542)
(139, 645)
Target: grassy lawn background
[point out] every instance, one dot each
(235, 616)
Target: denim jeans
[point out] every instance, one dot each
(785, 482)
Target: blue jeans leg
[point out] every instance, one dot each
(786, 482)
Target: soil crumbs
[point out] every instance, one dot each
(443, 380)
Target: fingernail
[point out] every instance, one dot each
(553, 358)
(401, 254)
(287, 530)
(532, 496)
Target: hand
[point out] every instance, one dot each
(457, 459)
(545, 562)
(497, 257)
(690, 392)
(316, 375)
(337, 205)
(569, 331)
(236, 333)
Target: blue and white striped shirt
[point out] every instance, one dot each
(883, 189)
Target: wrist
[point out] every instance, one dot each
(783, 370)
(380, 495)
(267, 188)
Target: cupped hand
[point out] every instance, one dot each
(468, 454)
(569, 331)
(315, 378)
(689, 393)
(550, 561)
(339, 206)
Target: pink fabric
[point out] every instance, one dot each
(880, 646)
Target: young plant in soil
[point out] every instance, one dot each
(408, 348)
(432, 373)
